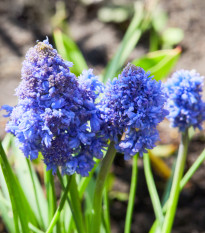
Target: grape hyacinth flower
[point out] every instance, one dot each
(185, 105)
(56, 113)
(132, 107)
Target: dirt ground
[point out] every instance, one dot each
(22, 22)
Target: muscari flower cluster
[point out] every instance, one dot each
(56, 113)
(69, 119)
(131, 107)
(185, 105)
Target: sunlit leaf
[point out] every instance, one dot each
(159, 19)
(164, 150)
(128, 43)
(114, 13)
(19, 203)
(6, 213)
(172, 36)
(160, 166)
(120, 196)
(159, 63)
(33, 192)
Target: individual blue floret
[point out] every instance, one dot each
(132, 106)
(185, 105)
(56, 113)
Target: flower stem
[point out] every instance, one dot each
(152, 189)
(175, 190)
(132, 193)
(106, 213)
(102, 175)
(50, 192)
(60, 207)
(76, 206)
(34, 229)
(184, 181)
(192, 170)
(74, 203)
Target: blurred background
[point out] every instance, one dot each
(97, 27)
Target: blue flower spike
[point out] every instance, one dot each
(132, 106)
(56, 113)
(185, 105)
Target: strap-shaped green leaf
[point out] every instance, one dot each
(6, 213)
(159, 63)
(17, 200)
(31, 186)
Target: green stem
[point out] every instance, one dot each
(129, 41)
(35, 193)
(155, 227)
(85, 180)
(152, 189)
(16, 222)
(132, 193)
(184, 181)
(175, 190)
(76, 206)
(106, 213)
(34, 229)
(70, 220)
(154, 41)
(60, 207)
(102, 175)
(50, 191)
(192, 170)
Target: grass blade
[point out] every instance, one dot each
(129, 41)
(15, 193)
(31, 186)
(50, 192)
(6, 214)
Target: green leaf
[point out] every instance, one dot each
(69, 51)
(114, 13)
(83, 184)
(50, 193)
(67, 217)
(31, 186)
(172, 36)
(6, 214)
(165, 150)
(16, 194)
(27, 179)
(128, 43)
(159, 19)
(159, 63)
(153, 41)
(106, 209)
(88, 202)
(6, 143)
